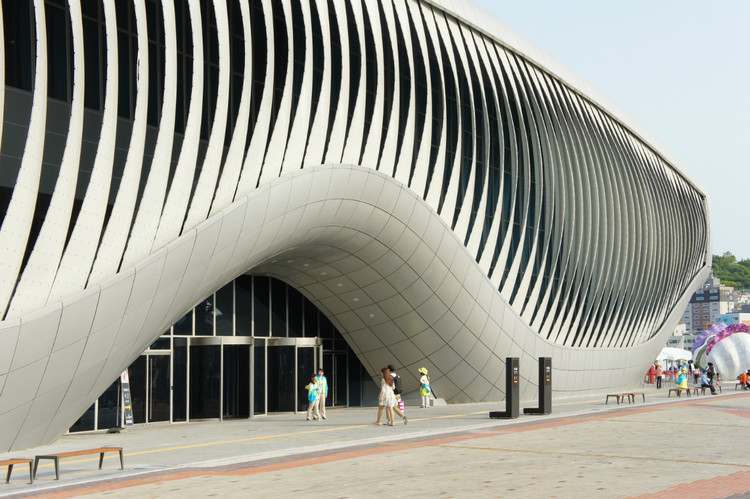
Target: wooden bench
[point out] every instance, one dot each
(10, 462)
(56, 457)
(643, 395)
(618, 396)
(678, 391)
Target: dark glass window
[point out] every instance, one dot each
(58, 51)
(295, 312)
(204, 317)
(224, 310)
(243, 305)
(92, 56)
(261, 305)
(278, 316)
(184, 326)
(311, 320)
(18, 32)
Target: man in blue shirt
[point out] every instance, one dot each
(322, 392)
(706, 383)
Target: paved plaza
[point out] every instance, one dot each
(665, 447)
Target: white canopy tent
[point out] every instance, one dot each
(674, 354)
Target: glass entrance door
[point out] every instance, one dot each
(336, 367)
(306, 367)
(289, 363)
(236, 381)
(205, 381)
(158, 387)
(281, 379)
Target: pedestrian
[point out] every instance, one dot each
(398, 389)
(387, 398)
(743, 380)
(424, 388)
(322, 392)
(650, 374)
(313, 410)
(659, 374)
(682, 378)
(711, 372)
(706, 382)
(696, 373)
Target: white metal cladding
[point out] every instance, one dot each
(585, 226)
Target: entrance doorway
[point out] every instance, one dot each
(150, 385)
(288, 364)
(234, 377)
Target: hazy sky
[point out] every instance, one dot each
(679, 67)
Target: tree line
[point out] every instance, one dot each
(732, 272)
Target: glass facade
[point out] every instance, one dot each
(246, 350)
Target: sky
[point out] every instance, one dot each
(679, 67)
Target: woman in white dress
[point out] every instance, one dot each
(387, 397)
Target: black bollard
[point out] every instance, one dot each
(545, 388)
(511, 391)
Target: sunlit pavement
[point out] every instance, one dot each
(670, 447)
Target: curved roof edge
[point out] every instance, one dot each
(479, 18)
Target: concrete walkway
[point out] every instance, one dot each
(670, 447)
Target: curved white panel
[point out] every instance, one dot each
(175, 207)
(40, 270)
(233, 164)
(14, 232)
(115, 236)
(81, 248)
(144, 228)
(238, 240)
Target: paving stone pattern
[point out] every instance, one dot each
(694, 447)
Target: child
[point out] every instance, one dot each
(312, 398)
(424, 388)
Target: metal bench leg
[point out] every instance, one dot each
(10, 470)
(57, 468)
(36, 464)
(101, 458)
(122, 463)
(31, 478)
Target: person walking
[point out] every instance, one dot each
(387, 397)
(424, 388)
(398, 389)
(322, 392)
(659, 374)
(711, 372)
(313, 411)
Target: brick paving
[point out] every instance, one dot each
(692, 447)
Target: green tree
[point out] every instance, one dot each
(732, 272)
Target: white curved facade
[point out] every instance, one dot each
(442, 191)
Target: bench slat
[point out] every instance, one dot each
(11, 462)
(88, 452)
(56, 457)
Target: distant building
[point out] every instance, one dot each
(708, 304)
(736, 318)
(681, 338)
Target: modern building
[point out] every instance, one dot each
(708, 304)
(415, 181)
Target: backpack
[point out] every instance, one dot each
(397, 386)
